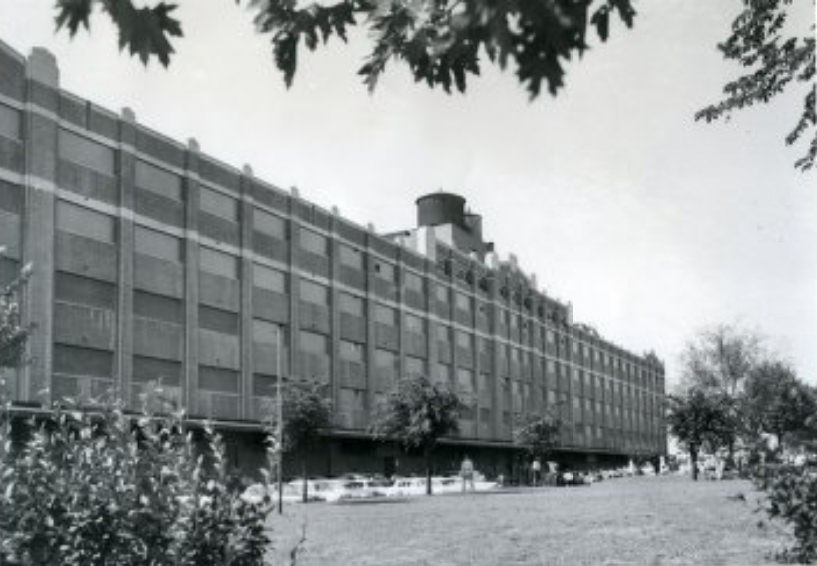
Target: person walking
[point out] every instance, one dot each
(467, 473)
(536, 471)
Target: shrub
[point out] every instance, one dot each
(791, 495)
(105, 488)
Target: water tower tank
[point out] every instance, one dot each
(440, 208)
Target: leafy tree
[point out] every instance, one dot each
(13, 333)
(441, 41)
(417, 413)
(719, 359)
(306, 414)
(774, 64)
(775, 401)
(702, 420)
(538, 434)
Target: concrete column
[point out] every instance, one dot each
(191, 283)
(294, 288)
(246, 335)
(334, 315)
(127, 163)
(41, 157)
(370, 325)
(401, 315)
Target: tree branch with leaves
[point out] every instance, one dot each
(441, 41)
(775, 63)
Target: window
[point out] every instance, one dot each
(350, 304)
(384, 270)
(463, 302)
(269, 224)
(148, 369)
(415, 366)
(443, 373)
(218, 263)
(385, 315)
(218, 204)
(85, 152)
(314, 293)
(463, 339)
(157, 244)
(351, 351)
(443, 333)
(157, 307)
(218, 320)
(314, 343)
(218, 379)
(9, 122)
(267, 332)
(350, 257)
(383, 359)
(415, 324)
(413, 282)
(84, 291)
(313, 242)
(442, 293)
(158, 181)
(82, 361)
(465, 380)
(85, 222)
(269, 279)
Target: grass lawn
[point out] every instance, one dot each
(642, 520)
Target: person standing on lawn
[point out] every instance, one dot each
(536, 471)
(467, 473)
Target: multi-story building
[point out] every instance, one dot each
(154, 262)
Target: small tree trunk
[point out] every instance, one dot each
(305, 486)
(693, 458)
(427, 456)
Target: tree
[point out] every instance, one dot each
(306, 413)
(417, 413)
(702, 420)
(441, 41)
(719, 359)
(775, 64)
(538, 434)
(775, 401)
(13, 333)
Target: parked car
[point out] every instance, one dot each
(256, 493)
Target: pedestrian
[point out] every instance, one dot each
(467, 473)
(536, 471)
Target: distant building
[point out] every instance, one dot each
(155, 262)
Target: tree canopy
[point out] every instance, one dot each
(538, 434)
(776, 402)
(720, 359)
(702, 420)
(417, 413)
(306, 412)
(441, 41)
(775, 63)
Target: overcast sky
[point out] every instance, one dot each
(654, 226)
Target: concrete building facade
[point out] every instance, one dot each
(154, 262)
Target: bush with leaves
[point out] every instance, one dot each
(104, 488)
(791, 495)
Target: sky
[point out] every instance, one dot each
(653, 226)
